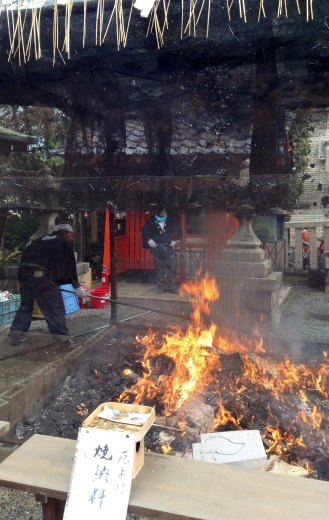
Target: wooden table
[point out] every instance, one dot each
(169, 487)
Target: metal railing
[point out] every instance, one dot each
(297, 256)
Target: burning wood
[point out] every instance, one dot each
(202, 381)
(198, 414)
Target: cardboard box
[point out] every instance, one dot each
(131, 418)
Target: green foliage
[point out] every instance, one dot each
(301, 152)
(48, 124)
(302, 148)
(55, 164)
(294, 190)
(6, 258)
(18, 230)
(32, 161)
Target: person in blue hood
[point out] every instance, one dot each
(160, 234)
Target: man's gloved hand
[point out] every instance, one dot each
(80, 292)
(152, 243)
(173, 243)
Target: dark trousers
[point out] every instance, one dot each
(165, 271)
(50, 302)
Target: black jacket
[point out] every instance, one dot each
(52, 254)
(152, 230)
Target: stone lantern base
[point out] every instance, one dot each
(249, 290)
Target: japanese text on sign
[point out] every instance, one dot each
(102, 473)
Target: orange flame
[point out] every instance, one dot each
(166, 449)
(184, 362)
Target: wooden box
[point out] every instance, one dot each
(123, 410)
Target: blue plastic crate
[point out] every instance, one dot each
(71, 302)
(8, 309)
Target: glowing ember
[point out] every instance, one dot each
(183, 362)
(166, 449)
(97, 377)
(81, 409)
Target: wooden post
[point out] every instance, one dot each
(79, 240)
(182, 251)
(107, 242)
(113, 269)
(93, 225)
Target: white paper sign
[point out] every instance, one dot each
(102, 474)
(240, 448)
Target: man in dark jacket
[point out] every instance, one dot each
(159, 234)
(46, 263)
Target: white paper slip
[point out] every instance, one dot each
(114, 415)
(102, 474)
(239, 448)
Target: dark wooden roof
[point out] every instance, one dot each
(11, 135)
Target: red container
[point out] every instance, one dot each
(100, 292)
(105, 278)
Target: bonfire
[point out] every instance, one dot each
(201, 381)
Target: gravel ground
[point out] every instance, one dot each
(16, 505)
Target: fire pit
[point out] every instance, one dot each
(200, 381)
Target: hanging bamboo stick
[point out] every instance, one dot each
(128, 25)
(22, 45)
(121, 30)
(200, 11)
(39, 34)
(261, 9)
(17, 34)
(84, 23)
(117, 28)
(298, 6)
(154, 24)
(9, 29)
(67, 40)
(309, 9)
(99, 21)
(280, 8)
(19, 29)
(165, 24)
(55, 31)
(243, 10)
(34, 36)
(109, 22)
(166, 12)
(229, 7)
(191, 16)
(208, 18)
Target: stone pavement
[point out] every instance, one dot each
(141, 304)
(145, 291)
(304, 320)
